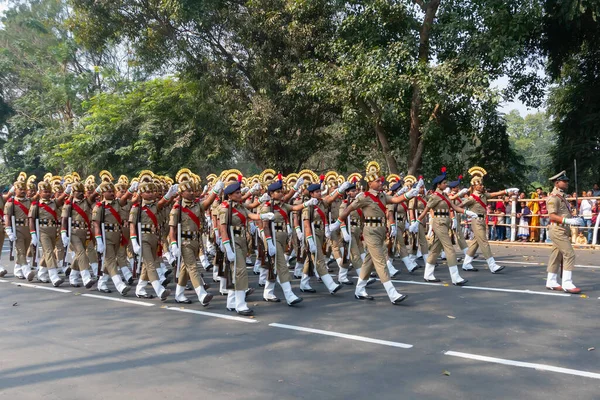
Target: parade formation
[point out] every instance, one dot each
(152, 229)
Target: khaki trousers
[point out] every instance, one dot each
(23, 244)
(48, 242)
(77, 244)
(356, 249)
(319, 258)
(189, 267)
(376, 253)
(241, 274)
(112, 243)
(479, 239)
(149, 257)
(562, 250)
(441, 240)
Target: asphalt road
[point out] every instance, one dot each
(505, 337)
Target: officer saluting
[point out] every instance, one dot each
(559, 212)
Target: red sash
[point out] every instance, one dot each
(151, 215)
(241, 216)
(190, 214)
(48, 209)
(83, 215)
(113, 212)
(322, 215)
(422, 200)
(360, 212)
(478, 199)
(377, 201)
(283, 214)
(441, 196)
(20, 205)
(405, 208)
(2, 214)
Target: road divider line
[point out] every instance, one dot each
(53, 289)
(525, 291)
(538, 367)
(209, 314)
(535, 263)
(411, 282)
(137, 303)
(343, 335)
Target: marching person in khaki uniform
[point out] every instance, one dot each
(455, 196)
(373, 205)
(477, 202)
(559, 232)
(441, 225)
(90, 189)
(145, 242)
(43, 227)
(416, 205)
(336, 244)
(16, 211)
(110, 234)
(3, 199)
(233, 220)
(122, 188)
(275, 234)
(185, 234)
(77, 212)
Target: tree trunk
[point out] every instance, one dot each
(415, 158)
(381, 137)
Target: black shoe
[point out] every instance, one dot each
(395, 275)
(125, 291)
(186, 301)
(105, 291)
(255, 273)
(165, 294)
(367, 297)
(58, 283)
(169, 272)
(471, 270)
(249, 291)
(349, 283)
(432, 280)
(294, 302)
(90, 284)
(130, 281)
(371, 281)
(206, 286)
(461, 283)
(373, 275)
(399, 299)
(230, 309)
(144, 296)
(275, 300)
(311, 290)
(319, 280)
(499, 269)
(246, 313)
(206, 300)
(261, 285)
(209, 268)
(166, 282)
(68, 272)
(297, 277)
(222, 294)
(76, 285)
(337, 288)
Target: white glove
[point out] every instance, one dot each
(245, 189)
(12, 190)
(136, 247)
(299, 184)
(97, 189)
(343, 187)
(393, 230)
(471, 214)
(289, 229)
(271, 247)
(512, 190)
(99, 245)
(447, 190)
(299, 234)
(34, 239)
(134, 187)
(217, 236)
(218, 187)
(327, 231)
(65, 238)
(11, 235)
(346, 235)
(264, 198)
(208, 221)
(414, 227)
(462, 192)
(311, 245)
(69, 189)
(205, 189)
(576, 221)
(175, 250)
(255, 189)
(171, 192)
(230, 253)
(295, 195)
(269, 216)
(334, 227)
(312, 202)
(406, 225)
(252, 228)
(420, 184)
(453, 223)
(403, 190)
(411, 193)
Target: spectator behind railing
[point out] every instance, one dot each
(524, 215)
(534, 207)
(585, 210)
(544, 219)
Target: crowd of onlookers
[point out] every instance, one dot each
(532, 217)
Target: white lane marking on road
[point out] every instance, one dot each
(526, 291)
(3, 281)
(343, 335)
(208, 314)
(411, 282)
(539, 367)
(41, 287)
(137, 303)
(536, 263)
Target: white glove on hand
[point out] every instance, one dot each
(9, 232)
(252, 228)
(12, 190)
(175, 250)
(411, 193)
(69, 189)
(99, 245)
(334, 227)
(134, 187)
(269, 216)
(512, 190)
(271, 247)
(34, 239)
(208, 221)
(172, 191)
(420, 184)
(217, 236)
(245, 190)
(402, 190)
(299, 184)
(295, 196)
(255, 189)
(447, 190)
(311, 245)
(343, 187)
(453, 223)
(576, 221)
(97, 189)
(218, 187)
(289, 229)
(393, 230)
(406, 225)
(264, 198)
(136, 247)
(65, 239)
(299, 234)
(414, 227)
(462, 192)
(312, 202)
(471, 214)
(230, 253)
(346, 235)
(327, 231)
